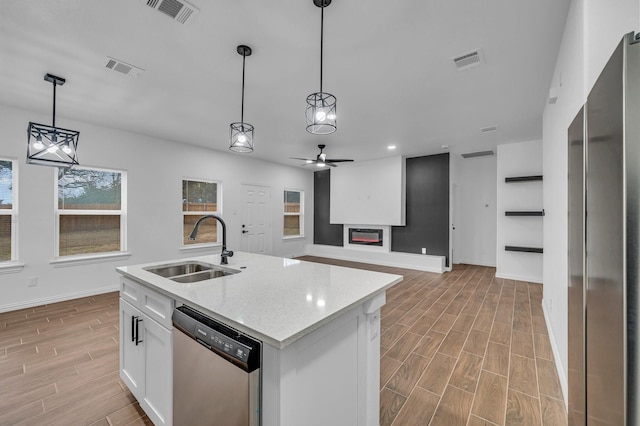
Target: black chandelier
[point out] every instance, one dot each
(241, 132)
(51, 145)
(321, 106)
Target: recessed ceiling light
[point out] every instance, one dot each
(445, 147)
(391, 147)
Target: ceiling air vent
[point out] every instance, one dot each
(123, 67)
(178, 10)
(489, 129)
(468, 60)
(477, 154)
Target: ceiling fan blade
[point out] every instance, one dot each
(303, 159)
(332, 160)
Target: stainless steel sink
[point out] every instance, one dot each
(190, 272)
(182, 268)
(204, 275)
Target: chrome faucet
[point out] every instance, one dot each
(225, 253)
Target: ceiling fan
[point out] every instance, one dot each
(321, 159)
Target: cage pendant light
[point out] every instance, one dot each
(51, 145)
(241, 132)
(321, 106)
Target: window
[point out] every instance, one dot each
(293, 213)
(8, 210)
(199, 198)
(90, 211)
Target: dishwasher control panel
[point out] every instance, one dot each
(210, 337)
(237, 347)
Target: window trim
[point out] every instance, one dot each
(90, 257)
(198, 246)
(301, 214)
(13, 264)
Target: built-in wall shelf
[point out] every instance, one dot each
(524, 213)
(522, 178)
(524, 249)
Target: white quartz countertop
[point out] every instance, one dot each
(273, 299)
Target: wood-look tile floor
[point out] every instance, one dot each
(465, 348)
(458, 348)
(59, 366)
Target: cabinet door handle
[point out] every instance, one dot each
(133, 328)
(138, 340)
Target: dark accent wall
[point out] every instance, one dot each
(427, 198)
(323, 231)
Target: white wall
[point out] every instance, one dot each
(155, 169)
(369, 192)
(593, 30)
(519, 159)
(474, 205)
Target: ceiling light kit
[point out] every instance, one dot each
(321, 106)
(241, 132)
(51, 145)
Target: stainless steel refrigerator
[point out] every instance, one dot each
(604, 246)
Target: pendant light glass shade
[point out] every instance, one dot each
(321, 113)
(241, 133)
(321, 106)
(241, 137)
(51, 145)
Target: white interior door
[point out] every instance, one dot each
(256, 222)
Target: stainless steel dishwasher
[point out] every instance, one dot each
(216, 372)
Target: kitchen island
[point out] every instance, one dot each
(319, 324)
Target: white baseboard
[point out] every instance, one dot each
(531, 279)
(556, 355)
(418, 262)
(58, 298)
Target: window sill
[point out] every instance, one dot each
(195, 247)
(88, 259)
(293, 237)
(11, 267)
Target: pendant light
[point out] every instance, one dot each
(51, 145)
(321, 106)
(241, 132)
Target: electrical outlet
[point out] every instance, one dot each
(424, 250)
(32, 281)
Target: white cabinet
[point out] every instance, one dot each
(330, 376)
(146, 351)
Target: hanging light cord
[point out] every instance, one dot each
(242, 107)
(321, 40)
(54, 103)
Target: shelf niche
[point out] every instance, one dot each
(524, 213)
(523, 249)
(523, 178)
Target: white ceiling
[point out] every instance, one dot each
(387, 62)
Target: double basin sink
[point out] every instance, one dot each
(190, 271)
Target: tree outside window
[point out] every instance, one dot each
(198, 199)
(91, 211)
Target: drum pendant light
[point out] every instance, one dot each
(51, 145)
(241, 132)
(321, 106)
